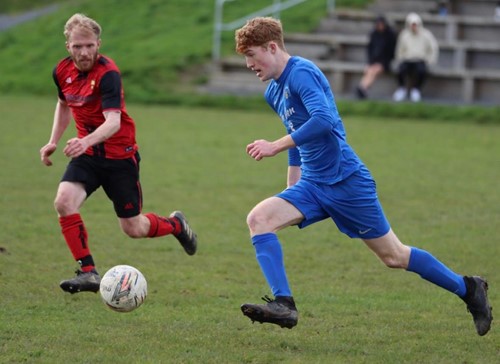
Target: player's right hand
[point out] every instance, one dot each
(46, 151)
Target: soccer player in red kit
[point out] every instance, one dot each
(104, 152)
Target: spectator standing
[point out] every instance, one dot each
(380, 53)
(416, 50)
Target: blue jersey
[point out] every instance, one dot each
(303, 99)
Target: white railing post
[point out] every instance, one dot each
(330, 6)
(219, 25)
(276, 13)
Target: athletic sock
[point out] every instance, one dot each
(432, 270)
(87, 264)
(75, 234)
(270, 258)
(161, 226)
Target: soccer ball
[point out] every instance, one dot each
(123, 288)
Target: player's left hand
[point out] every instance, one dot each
(75, 147)
(260, 148)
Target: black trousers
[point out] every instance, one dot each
(412, 73)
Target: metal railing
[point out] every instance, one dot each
(274, 9)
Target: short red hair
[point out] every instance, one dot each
(258, 32)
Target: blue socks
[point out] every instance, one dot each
(270, 258)
(431, 269)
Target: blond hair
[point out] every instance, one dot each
(258, 32)
(83, 23)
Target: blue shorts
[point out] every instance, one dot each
(352, 204)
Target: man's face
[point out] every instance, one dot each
(261, 60)
(83, 47)
(414, 28)
(380, 26)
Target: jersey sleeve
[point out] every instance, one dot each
(111, 88)
(294, 157)
(308, 86)
(56, 81)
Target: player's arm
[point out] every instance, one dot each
(62, 118)
(321, 120)
(77, 146)
(110, 87)
(262, 148)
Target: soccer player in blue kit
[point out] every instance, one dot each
(326, 179)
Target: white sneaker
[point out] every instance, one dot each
(399, 94)
(415, 95)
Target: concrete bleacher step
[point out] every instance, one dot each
(444, 84)
(235, 83)
(342, 47)
(472, 55)
(350, 47)
(468, 69)
(449, 28)
(478, 8)
(404, 6)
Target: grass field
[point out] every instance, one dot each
(438, 182)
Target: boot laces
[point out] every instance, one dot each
(267, 299)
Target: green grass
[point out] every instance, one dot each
(15, 7)
(163, 49)
(438, 185)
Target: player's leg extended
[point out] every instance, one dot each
(395, 254)
(125, 190)
(152, 225)
(264, 221)
(473, 290)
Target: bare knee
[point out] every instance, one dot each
(398, 257)
(63, 205)
(132, 229)
(395, 261)
(260, 221)
(255, 221)
(135, 227)
(390, 250)
(70, 196)
(132, 232)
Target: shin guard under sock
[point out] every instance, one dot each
(75, 234)
(432, 270)
(161, 226)
(270, 257)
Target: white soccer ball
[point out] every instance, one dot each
(123, 288)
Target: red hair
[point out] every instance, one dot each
(258, 32)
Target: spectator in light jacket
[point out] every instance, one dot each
(416, 50)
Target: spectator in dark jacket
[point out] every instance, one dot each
(380, 53)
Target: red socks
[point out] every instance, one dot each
(76, 237)
(161, 226)
(75, 234)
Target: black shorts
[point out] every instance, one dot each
(118, 177)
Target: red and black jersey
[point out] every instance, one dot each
(89, 94)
